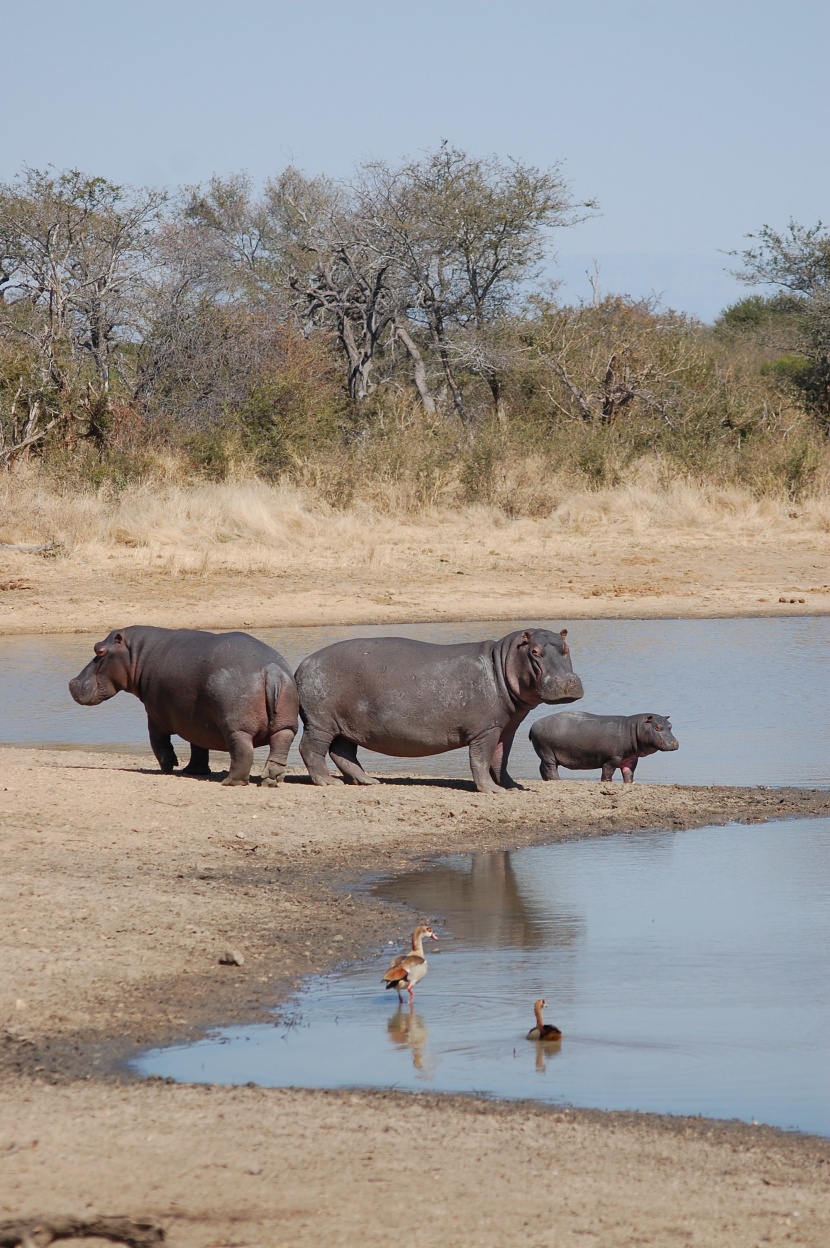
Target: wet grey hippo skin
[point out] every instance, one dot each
(412, 698)
(580, 742)
(219, 691)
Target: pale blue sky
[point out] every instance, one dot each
(691, 121)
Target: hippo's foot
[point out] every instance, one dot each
(508, 784)
(272, 775)
(168, 764)
(494, 789)
(343, 754)
(232, 780)
(199, 764)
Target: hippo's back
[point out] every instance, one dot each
(397, 695)
(360, 663)
(579, 728)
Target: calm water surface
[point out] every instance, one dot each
(749, 698)
(689, 972)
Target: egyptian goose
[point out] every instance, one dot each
(542, 1030)
(410, 968)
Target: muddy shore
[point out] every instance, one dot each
(121, 889)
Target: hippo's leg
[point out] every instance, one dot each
(608, 770)
(343, 754)
(549, 768)
(628, 766)
(313, 749)
(241, 749)
(498, 763)
(199, 764)
(275, 763)
(162, 747)
(482, 750)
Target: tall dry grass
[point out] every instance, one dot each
(247, 525)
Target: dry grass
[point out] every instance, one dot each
(253, 527)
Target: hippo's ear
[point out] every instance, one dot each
(118, 639)
(564, 632)
(525, 639)
(649, 719)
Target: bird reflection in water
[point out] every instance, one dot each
(407, 1030)
(544, 1050)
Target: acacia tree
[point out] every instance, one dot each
(797, 261)
(465, 234)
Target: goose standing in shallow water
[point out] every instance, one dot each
(542, 1030)
(410, 968)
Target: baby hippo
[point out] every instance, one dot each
(219, 691)
(580, 742)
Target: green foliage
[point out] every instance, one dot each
(757, 312)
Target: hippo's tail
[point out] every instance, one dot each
(281, 701)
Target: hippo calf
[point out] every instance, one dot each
(580, 742)
(219, 691)
(413, 698)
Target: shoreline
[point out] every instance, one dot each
(348, 571)
(146, 879)
(289, 620)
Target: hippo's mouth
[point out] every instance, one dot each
(87, 694)
(560, 691)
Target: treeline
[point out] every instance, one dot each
(393, 327)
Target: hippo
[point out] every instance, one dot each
(580, 742)
(413, 698)
(219, 691)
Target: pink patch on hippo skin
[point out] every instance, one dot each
(625, 763)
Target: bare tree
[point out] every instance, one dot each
(466, 234)
(74, 252)
(614, 357)
(341, 279)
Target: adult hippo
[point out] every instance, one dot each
(412, 698)
(219, 691)
(580, 742)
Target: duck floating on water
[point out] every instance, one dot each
(542, 1030)
(410, 968)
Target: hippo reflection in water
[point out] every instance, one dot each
(219, 691)
(413, 698)
(581, 742)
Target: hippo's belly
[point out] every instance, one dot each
(203, 715)
(413, 727)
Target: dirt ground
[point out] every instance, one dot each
(121, 889)
(461, 569)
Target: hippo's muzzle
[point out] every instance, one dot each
(88, 692)
(561, 688)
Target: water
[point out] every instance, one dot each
(689, 972)
(749, 698)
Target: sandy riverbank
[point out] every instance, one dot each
(120, 890)
(246, 556)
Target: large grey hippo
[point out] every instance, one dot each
(580, 742)
(412, 698)
(219, 691)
